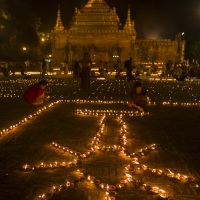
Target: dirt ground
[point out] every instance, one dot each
(175, 128)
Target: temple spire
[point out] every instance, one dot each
(59, 26)
(128, 24)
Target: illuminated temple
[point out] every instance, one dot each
(96, 28)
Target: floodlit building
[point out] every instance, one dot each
(96, 28)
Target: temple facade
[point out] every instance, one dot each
(96, 28)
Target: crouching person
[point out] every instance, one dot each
(34, 95)
(138, 97)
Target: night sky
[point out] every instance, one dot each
(153, 18)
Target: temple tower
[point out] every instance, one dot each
(96, 28)
(59, 26)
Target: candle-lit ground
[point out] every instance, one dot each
(95, 157)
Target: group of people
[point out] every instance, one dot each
(180, 71)
(35, 95)
(10, 68)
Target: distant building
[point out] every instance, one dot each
(96, 28)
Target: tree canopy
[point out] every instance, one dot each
(19, 28)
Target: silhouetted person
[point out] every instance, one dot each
(44, 67)
(76, 69)
(85, 75)
(129, 69)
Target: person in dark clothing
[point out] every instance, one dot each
(129, 69)
(85, 74)
(44, 67)
(76, 69)
(4, 68)
(138, 97)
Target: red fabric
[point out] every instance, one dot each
(34, 91)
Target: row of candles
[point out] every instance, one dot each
(26, 119)
(50, 165)
(111, 112)
(164, 103)
(179, 104)
(139, 168)
(130, 170)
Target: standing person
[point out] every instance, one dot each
(76, 69)
(51, 67)
(138, 97)
(181, 73)
(172, 70)
(63, 66)
(129, 69)
(34, 95)
(192, 71)
(40, 66)
(13, 67)
(85, 75)
(107, 69)
(4, 68)
(168, 68)
(44, 67)
(66, 68)
(23, 69)
(117, 66)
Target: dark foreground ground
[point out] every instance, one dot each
(174, 127)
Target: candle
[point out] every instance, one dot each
(155, 189)
(123, 181)
(102, 185)
(119, 185)
(26, 166)
(68, 184)
(111, 187)
(91, 178)
(82, 156)
(163, 193)
(171, 175)
(135, 162)
(144, 167)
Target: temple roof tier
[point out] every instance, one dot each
(96, 14)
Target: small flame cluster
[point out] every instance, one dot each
(110, 112)
(97, 101)
(150, 103)
(50, 165)
(168, 103)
